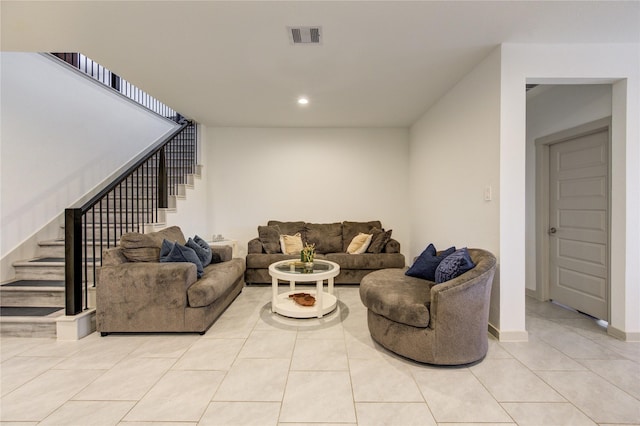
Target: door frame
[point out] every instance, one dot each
(543, 145)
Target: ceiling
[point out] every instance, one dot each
(380, 64)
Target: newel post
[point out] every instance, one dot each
(73, 261)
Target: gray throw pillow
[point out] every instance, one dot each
(202, 250)
(454, 265)
(175, 252)
(270, 238)
(379, 240)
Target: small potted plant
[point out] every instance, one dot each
(307, 254)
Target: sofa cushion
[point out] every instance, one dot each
(270, 238)
(453, 265)
(289, 228)
(215, 281)
(396, 296)
(201, 248)
(139, 247)
(351, 229)
(176, 252)
(359, 244)
(262, 261)
(291, 244)
(425, 265)
(326, 236)
(379, 240)
(367, 260)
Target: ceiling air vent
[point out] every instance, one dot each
(304, 35)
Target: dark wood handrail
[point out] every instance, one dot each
(128, 201)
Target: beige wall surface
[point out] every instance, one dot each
(454, 158)
(310, 174)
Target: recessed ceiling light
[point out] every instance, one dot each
(303, 101)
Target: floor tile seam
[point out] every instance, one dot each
(491, 393)
(532, 371)
(24, 384)
(286, 381)
(615, 349)
(569, 400)
(160, 377)
(353, 393)
(609, 381)
(48, 370)
(71, 400)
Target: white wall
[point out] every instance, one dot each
(618, 64)
(551, 109)
(191, 212)
(316, 175)
(454, 156)
(61, 134)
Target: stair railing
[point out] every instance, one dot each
(110, 79)
(129, 202)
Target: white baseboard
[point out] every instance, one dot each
(623, 335)
(509, 335)
(75, 327)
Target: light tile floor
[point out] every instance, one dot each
(256, 368)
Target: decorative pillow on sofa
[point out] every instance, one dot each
(379, 239)
(351, 229)
(359, 243)
(201, 248)
(138, 247)
(176, 252)
(270, 238)
(426, 264)
(453, 265)
(291, 244)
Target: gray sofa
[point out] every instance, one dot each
(137, 293)
(331, 240)
(444, 324)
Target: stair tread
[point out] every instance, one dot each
(34, 283)
(28, 311)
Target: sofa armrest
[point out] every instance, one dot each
(225, 252)
(113, 256)
(143, 296)
(255, 246)
(392, 246)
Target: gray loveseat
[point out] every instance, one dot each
(444, 324)
(137, 293)
(331, 240)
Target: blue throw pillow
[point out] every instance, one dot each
(425, 265)
(202, 250)
(453, 265)
(174, 252)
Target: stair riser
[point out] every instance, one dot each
(27, 329)
(51, 251)
(58, 251)
(39, 272)
(33, 298)
(45, 273)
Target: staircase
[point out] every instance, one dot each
(31, 303)
(138, 200)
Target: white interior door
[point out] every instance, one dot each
(579, 223)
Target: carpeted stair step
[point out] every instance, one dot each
(29, 321)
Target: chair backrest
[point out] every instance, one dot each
(460, 310)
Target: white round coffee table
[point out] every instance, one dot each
(292, 271)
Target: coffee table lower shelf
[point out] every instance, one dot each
(287, 307)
